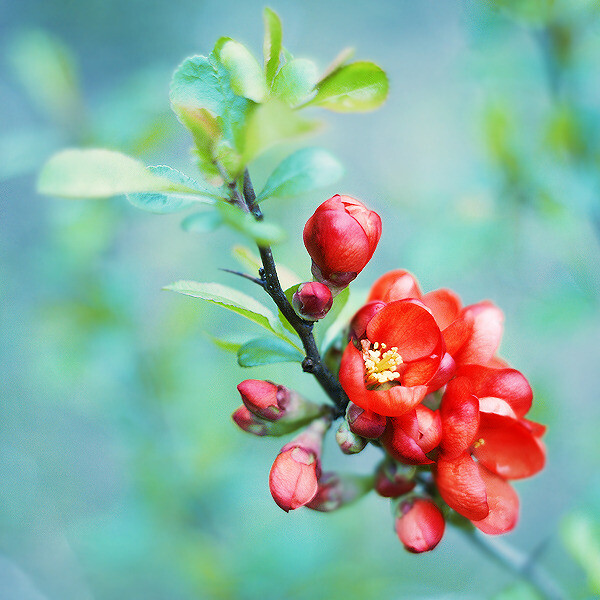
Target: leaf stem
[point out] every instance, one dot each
(312, 363)
(517, 563)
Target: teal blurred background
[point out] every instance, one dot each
(121, 473)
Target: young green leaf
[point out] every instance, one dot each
(271, 123)
(295, 81)
(265, 351)
(96, 173)
(272, 43)
(225, 344)
(331, 326)
(233, 300)
(357, 87)
(305, 170)
(246, 76)
(202, 222)
(263, 233)
(168, 203)
(340, 60)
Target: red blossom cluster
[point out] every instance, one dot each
(425, 385)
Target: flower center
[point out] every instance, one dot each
(380, 363)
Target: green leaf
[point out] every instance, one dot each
(246, 76)
(203, 83)
(168, 203)
(271, 123)
(305, 170)
(262, 232)
(202, 222)
(225, 344)
(272, 43)
(295, 81)
(233, 300)
(357, 87)
(341, 59)
(96, 173)
(265, 351)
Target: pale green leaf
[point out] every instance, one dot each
(264, 351)
(271, 123)
(97, 173)
(339, 61)
(357, 87)
(272, 43)
(233, 300)
(262, 232)
(225, 344)
(295, 81)
(246, 76)
(168, 203)
(202, 222)
(305, 170)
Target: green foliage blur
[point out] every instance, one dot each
(121, 473)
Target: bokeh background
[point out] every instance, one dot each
(121, 474)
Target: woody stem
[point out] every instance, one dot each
(313, 362)
(518, 563)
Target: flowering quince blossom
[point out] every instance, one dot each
(423, 383)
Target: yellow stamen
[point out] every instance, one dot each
(479, 442)
(380, 368)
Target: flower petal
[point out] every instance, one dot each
(395, 285)
(460, 417)
(462, 487)
(509, 385)
(445, 306)
(508, 448)
(503, 502)
(409, 326)
(400, 444)
(392, 402)
(485, 336)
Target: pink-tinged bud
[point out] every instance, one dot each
(365, 423)
(337, 490)
(419, 524)
(312, 300)
(294, 476)
(249, 422)
(341, 237)
(393, 479)
(273, 402)
(349, 442)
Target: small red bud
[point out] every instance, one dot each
(349, 442)
(419, 524)
(249, 422)
(365, 423)
(264, 398)
(312, 300)
(393, 479)
(341, 238)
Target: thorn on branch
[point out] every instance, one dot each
(245, 276)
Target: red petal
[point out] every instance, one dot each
(393, 402)
(400, 445)
(536, 428)
(445, 306)
(421, 372)
(485, 337)
(457, 333)
(407, 325)
(460, 418)
(358, 325)
(507, 384)
(444, 373)
(430, 428)
(509, 448)
(462, 487)
(503, 502)
(395, 285)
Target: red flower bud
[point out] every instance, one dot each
(393, 479)
(294, 476)
(312, 300)
(365, 423)
(341, 237)
(419, 524)
(249, 422)
(349, 442)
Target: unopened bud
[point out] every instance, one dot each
(312, 300)
(393, 479)
(419, 524)
(349, 442)
(365, 423)
(249, 422)
(341, 237)
(296, 470)
(337, 490)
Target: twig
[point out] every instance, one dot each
(245, 276)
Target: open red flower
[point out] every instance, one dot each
(486, 442)
(400, 352)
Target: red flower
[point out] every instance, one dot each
(401, 351)
(482, 418)
(341, 237)
(419, 524)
